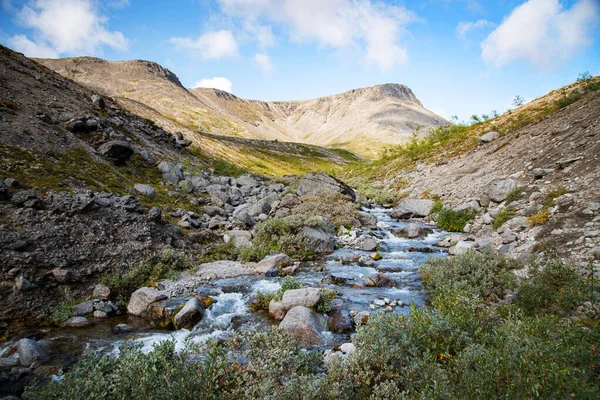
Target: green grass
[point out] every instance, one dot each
(454, 221)
(503, 216)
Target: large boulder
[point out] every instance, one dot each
(142, 298)
(488, 137)
(307, 297)
(240, 238)
(29, 352)
(318, 241)
(305, 324)
(499, 190)
(117, 151)
(341, 322)
(223, 269)
(162, 312)
(313, 184)
(189, 315)
(171, 173)
(146, 190)
(276, 310)
(273, 262)
(413, 208)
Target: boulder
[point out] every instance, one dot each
(29, 352)
(499, 190)
(379, 280)
(142, 298)
(341, 322)
(189, 315)
(76, 322)
(289, 201)
(85, 308)
(488, 137)
(361, 318)
(461, 248)
(305, 324)
(469, 205)
(240, 238)
(155, 215)
(413, 208)
(146, 190)
(277, 310)
(539, 173)
(247, 181)
(369, 244)
(117, 151)
(412, 230)
(318, 241)
(101, 291)
(223, 269)
(313, 184)
(276, 261)
(171, 173)
(307, 297)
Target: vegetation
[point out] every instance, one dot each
(337, 208)
(261, 300)
(514, 195)
(540, 218)
(464, 346)
(502, 217)
(454, 221)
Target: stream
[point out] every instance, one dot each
(230, 312)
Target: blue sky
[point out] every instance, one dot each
(460, 57)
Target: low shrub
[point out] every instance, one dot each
(514, 195)
(567, 99)
(327, 296)
(454, 221)
(337, 208)
(476, 274)
(437, 207)
(219, 251)
(552, 195)
(539, 218)
(503, 216)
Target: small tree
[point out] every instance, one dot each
(518, 101)
(584, 76)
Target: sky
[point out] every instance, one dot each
(460, 57)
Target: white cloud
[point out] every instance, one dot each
(217, 82)
(375, 28)
(210, 45)
(263, 34)
(73, 27)
(542, 32)
(464, 27)
(264, 62)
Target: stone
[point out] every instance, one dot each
(277, 310)
(117, 151)
(487, 219)
(499, 190)
(318, 241)
(100, 314)
(276, 261)
(23, 196)
(162, 312)
(30, 352)
(289, 201)
(146, 190)
(171, 173)
(488, 137)
(348, 348)
(121, 329)
(76, 322)
(539, 173)
(142, 298)
(245, 218)
(247, 181)
(470, 205)
(305, 324)
(85, 308)
(412, 230)
(189, 315)
(105, 306)
(98, 101)
(12, 183)
(460, 248)
(340, 321)
(240, 238)
(410, 208)
(307, 297)
(183, 143)
(379, 280)
(223, 269)
(155, 215)
(101, 291)
(313, 184)
(564, 201)
(361, 318)
(369, 244)
(91, 125)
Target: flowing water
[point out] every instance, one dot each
(400, 260)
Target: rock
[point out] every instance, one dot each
(361, 318)
(539, 173)
(247, 181)
(162, 312)
(241, 238)
(101, 292)
(487, 219)
(313, 184)
(499, 190)
(369, 244)
(11, 183)
(23, 196)
(341, 322)
(183, 143)
(100, 314)
(29, 352)
(223, 269)
(562, 164)
(121, 329)
(9, 363)
(564, 201)
(105, 306)
(484, 243)
(98, 101)
(305, 324)
(413, 208)
(245, 218)
(171, 173)
(189, 315)
(261, 207)
(318, 241)
(470, 205)
(289, 201)
(146, 190)
(76, 322)
(117, 151)
(85, 308)
(277, 310)
(155, 215)
(142, 298)
(412, 230)
(460, 248)
(91, 125)
(276, 261)
(488, 137)
(379, 280)
(307, 297)
(348, 348)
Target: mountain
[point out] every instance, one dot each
(361, 120)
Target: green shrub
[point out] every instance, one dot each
(454, 221)
(503, 216)
(476, 274)
(514, 195)
(552, 195)
(567, 99)
(327, 295)
(219, 251)
(253, 253)
(337, 208)
(437, 207)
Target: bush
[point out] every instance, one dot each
(539, 218)
(476, 274)
(337, 208)
(514, 195)
(454, 221)
(568, 99)
(503, 216)
(437, 207)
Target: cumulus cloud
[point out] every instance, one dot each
(217, 82)
(62, 27)
(375, 28)
(264, 62)
(464, 27)
(542, 32)
(210, 45)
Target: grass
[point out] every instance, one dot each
(503, 216)
(514, 195)
(454, 221)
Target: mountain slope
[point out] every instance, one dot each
(361, 120)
